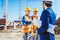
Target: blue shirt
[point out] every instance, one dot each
(25, 22)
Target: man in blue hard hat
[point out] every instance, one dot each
(48, 18)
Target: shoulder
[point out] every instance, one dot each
(45, 12)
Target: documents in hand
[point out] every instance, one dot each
(51, 28)
(36, 22)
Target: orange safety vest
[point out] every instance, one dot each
(26, 27)
(34, 17)
(34, 27)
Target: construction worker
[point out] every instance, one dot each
(26, 21)
(35, 16)
(48, 18)
(35, 11)
(34, 27)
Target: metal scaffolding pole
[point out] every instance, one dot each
(20, 5)
(6, 13)
(20, 18)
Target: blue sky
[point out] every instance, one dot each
(14, 9)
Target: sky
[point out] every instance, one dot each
(15, 10)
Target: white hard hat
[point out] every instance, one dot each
(48, 1)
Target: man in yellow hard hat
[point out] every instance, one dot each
(26, 21)
(35, 11)
(27, 10)
(34, 27)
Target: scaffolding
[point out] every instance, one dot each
(20, 5)
(6, 13)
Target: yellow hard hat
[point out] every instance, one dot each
(35, 9)
(27, 9)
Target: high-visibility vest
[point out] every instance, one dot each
(26, 27)
(34, 27)
(34, 17)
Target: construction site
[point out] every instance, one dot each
(11, 30)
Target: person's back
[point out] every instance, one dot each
(52, 16)
(48, 18)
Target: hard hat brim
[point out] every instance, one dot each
(48, 1)
(35, 11)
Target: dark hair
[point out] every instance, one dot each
(48, 4)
